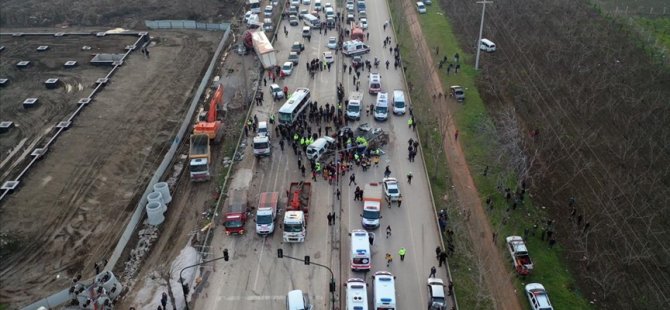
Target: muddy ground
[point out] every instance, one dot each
(74, 204)
(596, 104)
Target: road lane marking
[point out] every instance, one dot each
(258, 267)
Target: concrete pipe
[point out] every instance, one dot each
(157, 197)
(155, 213)
(164, 189)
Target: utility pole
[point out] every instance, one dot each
(185, 287)
(481, 29)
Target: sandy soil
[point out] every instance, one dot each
(498, 278)
(83, 192)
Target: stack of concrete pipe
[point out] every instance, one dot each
(157, 203)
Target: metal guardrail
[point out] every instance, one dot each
(186, 24)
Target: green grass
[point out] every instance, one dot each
(480, 148)
(659, 27)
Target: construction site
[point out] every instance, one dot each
(88, 115)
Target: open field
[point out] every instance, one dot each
(600, 118)
(84, 190)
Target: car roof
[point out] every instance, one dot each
(437, 290)
(288, 63)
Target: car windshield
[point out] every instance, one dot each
(264, 219)
(332, 41)
(370, 215)
(354, 108)
(361, 260)
(198, 168)
(393, 190)
(233, 224)
(261, 145)
(292, 227)
(375, 85)
(399, 104)
(287, 67)
(380, 109)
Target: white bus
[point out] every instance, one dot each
(296, 103)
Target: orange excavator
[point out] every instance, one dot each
(211, 126)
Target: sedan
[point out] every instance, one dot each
(293, 20)
(328, 57)
(306, 2)
(437, 299)
(287, 68)
(295, 2)
(457, 92)
(391, 189)
(276, 91)
(364, 23)
(332, 43)
(537, 297)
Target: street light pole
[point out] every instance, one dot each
(332, 286)
(184, 288)
(481, 29)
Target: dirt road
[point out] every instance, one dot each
(74, 204)
(498, 277)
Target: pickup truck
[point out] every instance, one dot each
(519, 253)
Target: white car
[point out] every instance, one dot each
(328, 57)
(364, 23)
(293, 20)
(295, 2)
(391, 189)
(332, 43)
(306, 2)
(420, 7)
(276, 91)
(328, 5)
(247, 15)
(438, 300)
(287, 68)
(537, 297)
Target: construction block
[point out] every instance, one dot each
(5, 126)
(52, 83)
(117, 63)
(59, 34)
(39, 152)
(29, 103)
(70, 64)
(64, 124)
(85, 48)
(102, 81)
(10, 185)
(4, 82)
(23, 64)
(100, 34)
(43, 48)
(83, 101)
(130, 47)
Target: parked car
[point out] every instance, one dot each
(267, 12)
(328, 57)
(294, 57)
(421, 7)
(457, 92)
(306, 2)
(297, 47)
(537, 297)
(437, 299)
(287, 68)
(332, 43)
(295, 2)
(518, 251)
(293, 20)
(428, 2)
(350, 17)
(364, 23)
(276, 91)
(391, 189)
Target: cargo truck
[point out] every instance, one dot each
(297, 210)
(199, 157)
(264, 50)
(372, 205)
(235, 212)
(266, 214)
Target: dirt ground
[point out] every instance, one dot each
(598, 103)
(192, 200)
(83, 192)
(123, 13)
(498, 278)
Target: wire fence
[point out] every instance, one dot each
(185, 24)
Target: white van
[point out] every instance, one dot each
(297, 300)
(399, 106)
(255, 6)
(384, 290)
(262, 129)
(330, 12)
(361, 257)
(311, 21)
(420, 7)
(354, 105)
(319, 147)
(357, 294)
(317, 5)
(381, 111)
(374, 83)
(487, 46)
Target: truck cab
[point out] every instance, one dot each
(266, 214)
(372, 201)
(520, 257)
(199, 155)
(295, 227)
(235, 214)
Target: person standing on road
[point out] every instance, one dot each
(402, 253)
(438, 251)
(389, 259)
(281, 144)
(387, 172)
(443, 258)
(352, 179)
(409, 177)
(371, 238)
(399, 201)
(433, 271)
(388, 232)
(337, 193)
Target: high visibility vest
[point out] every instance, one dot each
(409, 121)
(295, 137)
(318, 167)
(272, 118)
(356, 156)
(302, 141)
